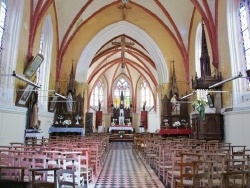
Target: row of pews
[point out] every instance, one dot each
(36, 163)
(186, 162)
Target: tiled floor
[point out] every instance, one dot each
(124, 169)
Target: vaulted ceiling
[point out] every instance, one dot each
(138, 22)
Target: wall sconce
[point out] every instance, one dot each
(20, 77)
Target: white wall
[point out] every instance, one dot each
(13, 123)
(154, 122)
(46, 122)
(237, 127)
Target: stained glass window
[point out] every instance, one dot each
(122, 86)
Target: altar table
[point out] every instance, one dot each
(66, 130)
(121, 128)
(175, 132)
(32, 133)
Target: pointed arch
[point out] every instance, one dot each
(119, 28)
(10, 51)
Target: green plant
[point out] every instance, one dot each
(200, 106)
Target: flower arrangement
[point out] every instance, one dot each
(67, 122)
(128, 121)
(176, 124)
(113, 122)
(200, 106)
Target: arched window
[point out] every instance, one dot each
(3, 12)
(238, 38)
(46, 42)
(122, 86)
(97, 94)
(146, 95)
(11, 26)
(244, 26)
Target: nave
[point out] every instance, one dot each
(123, 168)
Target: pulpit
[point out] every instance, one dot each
(210, 129)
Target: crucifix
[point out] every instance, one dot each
(123, 43)
(124, 8)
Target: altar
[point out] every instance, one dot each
(176, 132)
(66, 130)
(121, 128)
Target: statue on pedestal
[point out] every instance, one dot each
(69, 101)
(121, 117)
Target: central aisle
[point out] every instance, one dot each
(124, 169)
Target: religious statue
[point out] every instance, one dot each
(175, 105)
(144, 105)
(99, 106)
(34, 116)
(69, 102)
(121, 117)
(34, 111)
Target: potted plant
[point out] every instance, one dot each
(200, 106)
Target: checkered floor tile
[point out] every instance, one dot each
(124, 169)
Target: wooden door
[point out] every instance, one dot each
(98, 119)
(144, 119)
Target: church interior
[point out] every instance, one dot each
(145, 82)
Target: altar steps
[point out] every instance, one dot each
(121, 138)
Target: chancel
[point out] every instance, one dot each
(121, 110)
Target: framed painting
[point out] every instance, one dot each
(34, 65)
(25, 95)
